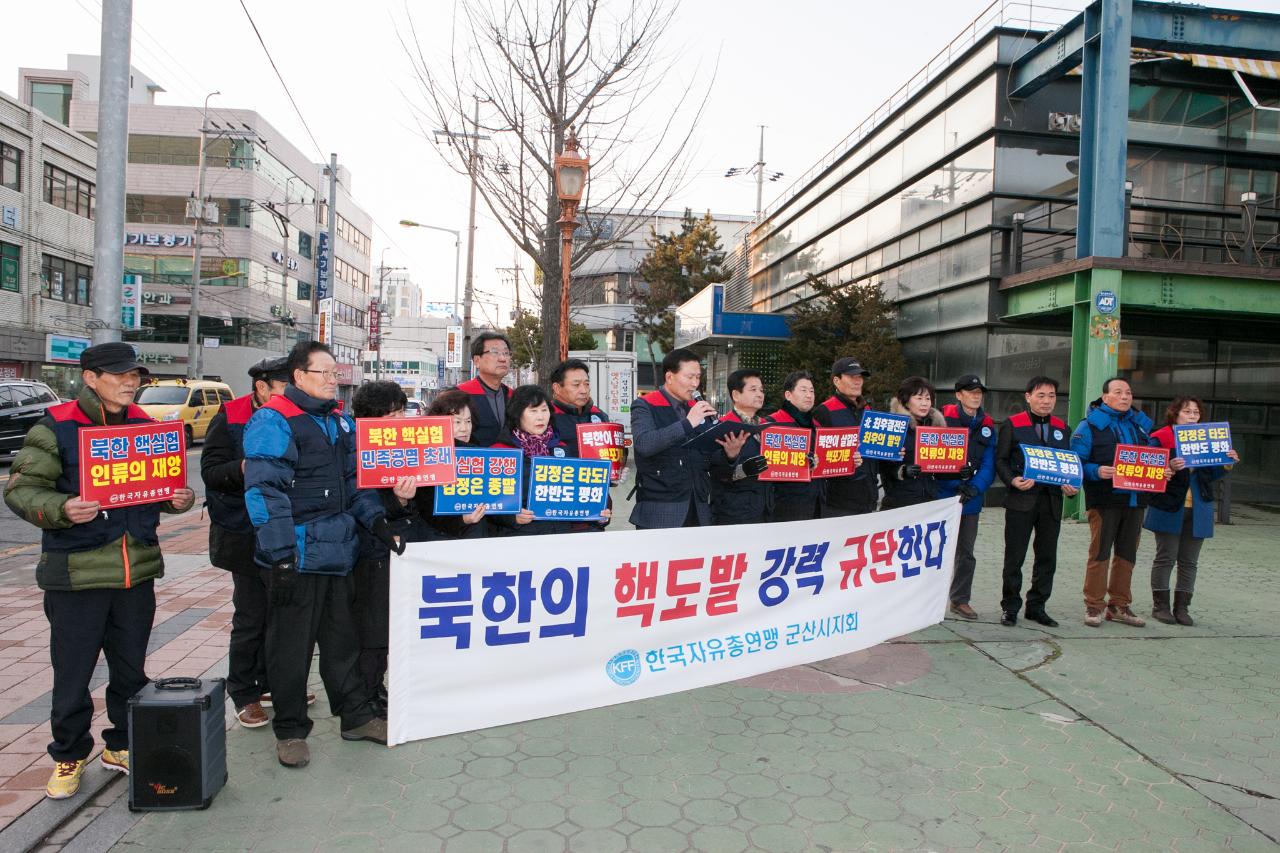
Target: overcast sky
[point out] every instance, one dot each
(809, 70)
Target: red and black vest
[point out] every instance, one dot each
(565, 419)
(857, 493)
(226, 509)
(110, 524)
(485, 426)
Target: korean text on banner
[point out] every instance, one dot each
(568, 489)
(637, 614)
(786, 449)
(883, 435)
(486, 477)
(388, 449)
(1203, 445)
(603, 441)
(1051, 466)
(835, 447)
(1140, 468)
(941, 450)
(134, 464)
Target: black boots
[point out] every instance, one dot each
(1181, 600)
(1161, 612)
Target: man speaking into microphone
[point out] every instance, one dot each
(673, 480)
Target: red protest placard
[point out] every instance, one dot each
(1139, 468)
(603, 441)
(390, 448)
(134, 464)
(941, 450)
(835, 447)
(786, 449)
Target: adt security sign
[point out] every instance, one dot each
(1106, 301)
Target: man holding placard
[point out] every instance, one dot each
(97, 568)
(1115, 514)
(1033, 503)
(300, 479)
(737, 495)
(856, 493)
(967, 412)
(571, 403)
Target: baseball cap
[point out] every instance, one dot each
(271, 369)
(111, 357)
(970, 382)
(848, 365)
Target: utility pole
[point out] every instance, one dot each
(383, 269)
(193, 322)
(282, 223)
(473, 161)
(113, 148)
(332, 247)
(758, 168)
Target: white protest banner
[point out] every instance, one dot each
(494, 631)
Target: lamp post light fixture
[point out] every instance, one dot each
(571, 179)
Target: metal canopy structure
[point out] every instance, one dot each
(1158, 26)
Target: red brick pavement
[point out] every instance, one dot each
(25, 673)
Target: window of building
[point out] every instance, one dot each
(351, 275)
(165, 150)
(304, 244)
(10, 263)
(10, 167)
(354, 236)
(52, 99)
(67, 191)
(66, 281)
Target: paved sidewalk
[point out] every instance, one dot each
(963, 736)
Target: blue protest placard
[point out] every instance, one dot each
(486, 477)
(1203, 445)
(568, 489)
(1051, 466)
(882, 435)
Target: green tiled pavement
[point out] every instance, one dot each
(964, 736)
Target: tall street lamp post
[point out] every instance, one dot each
(571, 179)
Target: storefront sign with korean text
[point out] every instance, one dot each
(1051, 466)
(941, 450)
(835, 447)
(489, 632)
(603, 441)
(1204, 445)
(132, 464)
(883, 435)
(786, 449)
(488, 477)
(568, 489)
(388, 449)
(1140, 468)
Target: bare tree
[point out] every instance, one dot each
(517, 79)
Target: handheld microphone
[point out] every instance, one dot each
(697, 397)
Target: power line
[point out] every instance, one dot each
(280, 77)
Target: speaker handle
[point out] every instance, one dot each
(178, 683)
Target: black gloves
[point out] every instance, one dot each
(967, 472)
(754, 465)
(967, 491)
(382, 531)
(282, 582)
(909, 472)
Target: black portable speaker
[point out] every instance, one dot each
(177, 744)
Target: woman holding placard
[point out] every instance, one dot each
(1181, 518)
(528, 429)
(455, 405)
(905, 484)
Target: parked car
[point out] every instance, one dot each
(194, 402)
(414, 408)
(22, 403)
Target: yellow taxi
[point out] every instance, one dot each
(192, 401)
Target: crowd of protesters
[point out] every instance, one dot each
(310, 553)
